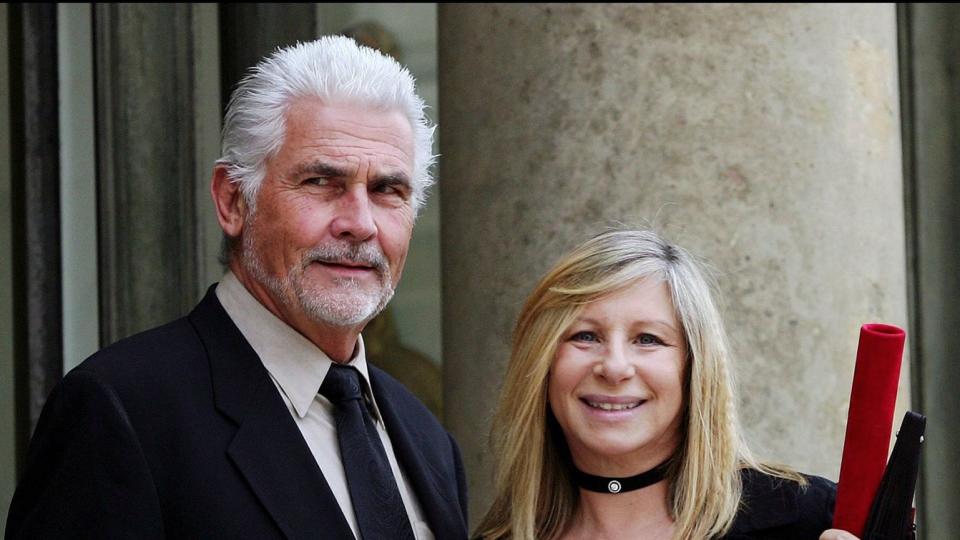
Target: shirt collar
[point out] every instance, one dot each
(295, 363)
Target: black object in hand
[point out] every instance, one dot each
(891, 514)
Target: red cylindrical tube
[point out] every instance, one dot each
(869, 423)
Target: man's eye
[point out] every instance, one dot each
(391, 188)
(317, 180)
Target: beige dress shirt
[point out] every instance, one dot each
(297, 368)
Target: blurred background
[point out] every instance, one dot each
(810, 153)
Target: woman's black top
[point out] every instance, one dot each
(776, 509)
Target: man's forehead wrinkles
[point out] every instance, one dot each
(352, 160)
(347, 155)
(348, 140)
(363, 145)
(353, 121)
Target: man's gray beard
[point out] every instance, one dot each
(346, 303)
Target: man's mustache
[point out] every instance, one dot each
(367, 254)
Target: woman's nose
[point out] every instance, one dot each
(615, 366)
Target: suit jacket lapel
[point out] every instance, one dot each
(268, 448)
(441, 513)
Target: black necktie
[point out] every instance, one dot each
(373, 490)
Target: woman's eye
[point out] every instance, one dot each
(648, 339)
(585, 336)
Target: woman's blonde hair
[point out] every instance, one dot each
(535, 496)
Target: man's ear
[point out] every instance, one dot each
(229, 201)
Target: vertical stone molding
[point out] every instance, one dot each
(765, 138)
(931, 83)
(35, 196)
(145, 165)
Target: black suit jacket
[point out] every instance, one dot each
(179, 432)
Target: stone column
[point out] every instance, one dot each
(765, 138)
(145, 159)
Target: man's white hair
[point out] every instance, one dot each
(335, 69)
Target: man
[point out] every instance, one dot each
(257, 416)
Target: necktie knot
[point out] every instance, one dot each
(341, 384)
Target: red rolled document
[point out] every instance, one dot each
(869, 422)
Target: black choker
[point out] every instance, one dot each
(607, 484)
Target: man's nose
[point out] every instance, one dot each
(354, 216)
(615, 365)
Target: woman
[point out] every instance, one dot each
(617, 417)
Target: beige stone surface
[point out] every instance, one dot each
(765, 138)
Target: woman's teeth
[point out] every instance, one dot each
(614, 406)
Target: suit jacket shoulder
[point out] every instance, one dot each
(156, 366)
(90, 449)
(775, 508)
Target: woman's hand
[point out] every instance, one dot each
(837, 534)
